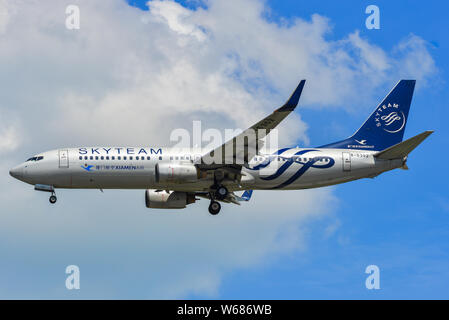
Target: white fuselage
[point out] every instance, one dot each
(135, 168)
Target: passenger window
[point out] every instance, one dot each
(124, 158)
(131, 157)
(177, 158)
(137, 158)
(171, 158)
(81, 158)
(85, 158)
(160, 158)
(148, 158)
(119, 158)
(107, 157)
(91, 158)
(102, 158)
(112, 158)
(96, 157)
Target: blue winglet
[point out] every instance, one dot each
(291, 104)
(246, 196)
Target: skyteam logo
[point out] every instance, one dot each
(390, 118)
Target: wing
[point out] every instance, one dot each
(242, 148)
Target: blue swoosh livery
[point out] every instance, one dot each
(87, 168)
(289, 162)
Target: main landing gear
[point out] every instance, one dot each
(221, 192)
(214, 207)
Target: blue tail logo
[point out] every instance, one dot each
(392, 122)
(386, 125)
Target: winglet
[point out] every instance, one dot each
(291, 104)
(246, 196)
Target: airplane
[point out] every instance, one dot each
(176, 177)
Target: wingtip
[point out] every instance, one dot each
(292, 102)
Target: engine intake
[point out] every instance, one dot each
(176, 172)
(161, 199)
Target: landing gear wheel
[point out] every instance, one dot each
(214, 207)
(52, 199)
(221, 192)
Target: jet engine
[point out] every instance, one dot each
(176, 172)
(162, 199)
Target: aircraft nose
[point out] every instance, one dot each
(16, 172)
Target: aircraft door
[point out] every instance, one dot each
(63, 158)
(346, 161)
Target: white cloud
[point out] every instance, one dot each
(416, 61)
(9, 139)
(130, 77)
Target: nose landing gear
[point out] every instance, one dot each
(46, 188)
(53, 199)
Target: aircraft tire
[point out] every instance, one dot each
(214, 207)
(221, 192)
(53, 199)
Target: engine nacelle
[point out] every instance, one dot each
(176, 172)
(161, 199)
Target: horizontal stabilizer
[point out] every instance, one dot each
(402, 149)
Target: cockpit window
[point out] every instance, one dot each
(35, 158)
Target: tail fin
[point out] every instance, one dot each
(402, 149)
(386, 125)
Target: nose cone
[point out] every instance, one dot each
(16, 172)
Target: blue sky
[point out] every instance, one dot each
(280, 246)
